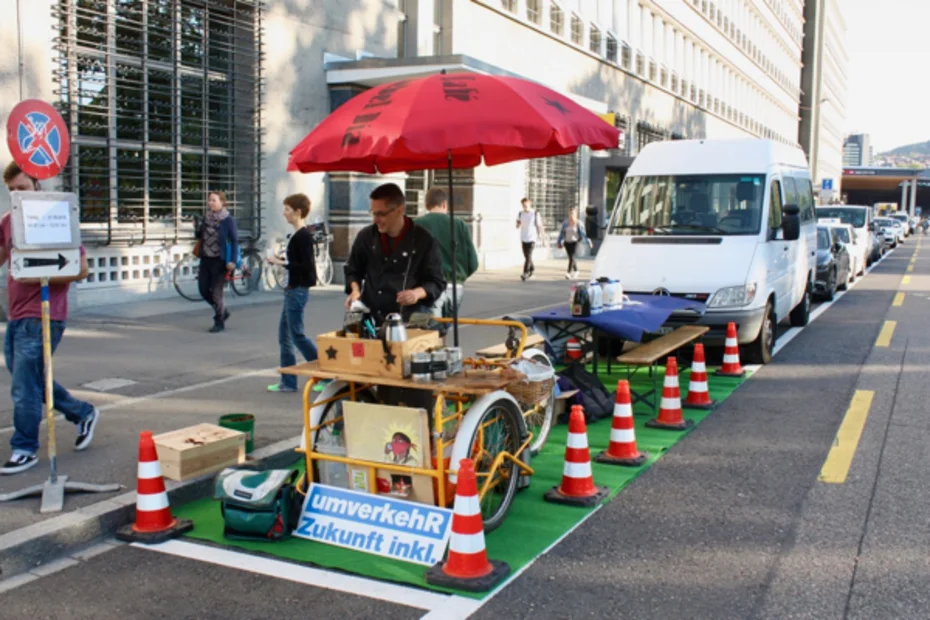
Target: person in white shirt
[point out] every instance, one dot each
(531, 231)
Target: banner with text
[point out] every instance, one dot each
(379, 525)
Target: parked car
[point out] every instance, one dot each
(844, 234)
(727, 222)
(832, 263)
(877, 251)
(905, 220)
(859, 217)
(890, 230)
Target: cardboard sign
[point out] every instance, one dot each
(388, 527)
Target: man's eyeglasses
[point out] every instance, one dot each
(382, 214)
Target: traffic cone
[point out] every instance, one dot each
(670, 416)
(698, 394)
(577, 488)
(622, 449)
(154, 523)
(573, 352)
(467, 566)
(731, 366)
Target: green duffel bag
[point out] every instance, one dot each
(258, 505)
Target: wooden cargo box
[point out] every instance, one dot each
(367, 357)
(198, 450)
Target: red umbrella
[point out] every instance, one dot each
(417, 124)
(449, 121)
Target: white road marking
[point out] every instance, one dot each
(339, 582)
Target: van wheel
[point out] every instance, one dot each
(759, 351)
(801, 315)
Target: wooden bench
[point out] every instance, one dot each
(648, 355)
(500, 350)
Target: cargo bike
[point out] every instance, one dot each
(488, 413)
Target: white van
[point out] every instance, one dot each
(726, 222)
(859, 217)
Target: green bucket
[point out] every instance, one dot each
(244, 422)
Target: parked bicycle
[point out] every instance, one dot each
(243, 280)
(321, 256)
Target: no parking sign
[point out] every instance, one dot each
(38, 139)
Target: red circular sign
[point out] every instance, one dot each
(38, 139)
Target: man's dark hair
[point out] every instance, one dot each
(13, 170)
(435, 197)
(390, 193)
(299, 202)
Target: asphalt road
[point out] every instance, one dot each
(731, 523)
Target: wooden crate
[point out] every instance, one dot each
(367, 357)
(198, 450)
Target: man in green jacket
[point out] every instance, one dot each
(466, 258)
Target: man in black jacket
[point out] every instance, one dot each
(394, 265)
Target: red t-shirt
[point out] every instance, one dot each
(26, 299)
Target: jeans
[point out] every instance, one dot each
(443, 305)
(211, 279)
(528, 266)
(23, 351)
(291, 333)
(570, 247)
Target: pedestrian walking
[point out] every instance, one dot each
(23, 348)
(301, 275)
(465, 259)
(570, 236)
(219, 249)
(531, 231)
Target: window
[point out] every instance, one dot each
(187, 114)
(611, 49)
(626, 55)
(509, 5)
(823, 238)
(534, 11)
(556, 19)
(652, 70)
(775, 205)
(663, 77)
(552, 185)
(640, 64)
(674, 85)
(725, 204)
(594, 42)
(577, 30)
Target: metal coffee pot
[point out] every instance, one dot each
(394, 328)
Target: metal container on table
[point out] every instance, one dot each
(440, 365)
(421, 366)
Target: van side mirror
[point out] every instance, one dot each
(791, 222)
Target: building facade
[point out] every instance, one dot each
(169, 99)
(823, 103)
(857, 150)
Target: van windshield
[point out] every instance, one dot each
(847, 215)
(842, 234)
(720, 204)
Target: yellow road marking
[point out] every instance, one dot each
(884, 337)
(914, 259)
(910, 267)
(905, 280)
(898, 300)
(836, 467)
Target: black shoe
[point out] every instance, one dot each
(86, 430)
(217, 328)
(225, 315)
(19, 462)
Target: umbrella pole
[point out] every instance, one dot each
(455, 297)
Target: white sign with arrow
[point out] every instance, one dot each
(45, 263)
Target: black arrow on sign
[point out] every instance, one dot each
(61, 261)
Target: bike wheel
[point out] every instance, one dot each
(247, 278)
(278, 276)
(324, 265)
(184, 278)
(540, 422)
(497, 431)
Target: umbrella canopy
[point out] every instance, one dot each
(421, 124)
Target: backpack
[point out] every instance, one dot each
(598, 403)
(258, 505)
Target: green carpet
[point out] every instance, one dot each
(532, 524)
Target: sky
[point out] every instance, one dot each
(888, 96)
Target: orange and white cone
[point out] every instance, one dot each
(622, 449)
(731, 366)
(670, 415)
(577, 488)
(698, 394)
(467, 566)
(154, 523)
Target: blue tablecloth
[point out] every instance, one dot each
(645, 315)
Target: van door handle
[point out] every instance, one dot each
(786, 248)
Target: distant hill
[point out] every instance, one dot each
(910, 150)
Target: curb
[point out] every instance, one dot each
(25, 549)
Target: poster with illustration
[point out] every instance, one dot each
(389, 434)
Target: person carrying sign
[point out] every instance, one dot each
(23, 348)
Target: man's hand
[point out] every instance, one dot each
(410, 297)
(354, 296)
(230, 266)
(275, 260)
